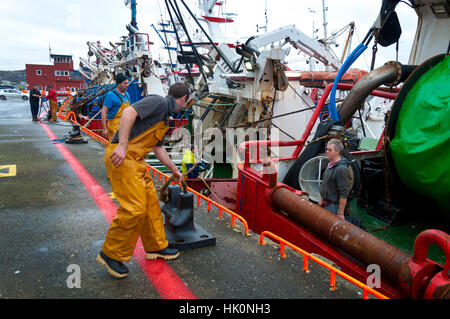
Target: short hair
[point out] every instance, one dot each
(178, 90)
(338, 146)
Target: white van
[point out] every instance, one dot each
(6, 94)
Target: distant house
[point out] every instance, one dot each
(60, 75)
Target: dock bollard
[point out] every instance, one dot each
(181, 230)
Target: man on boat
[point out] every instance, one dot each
(337, 180)
(142, 128)
(115, 102)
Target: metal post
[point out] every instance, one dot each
(178, 40)
(194, 49)
(209, 38)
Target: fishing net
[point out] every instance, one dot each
(421, 146)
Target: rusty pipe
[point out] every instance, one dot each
(359, 244)
(388, 74)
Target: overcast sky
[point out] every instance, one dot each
(29, 27)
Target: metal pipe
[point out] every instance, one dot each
(388, 74)
(359, 244)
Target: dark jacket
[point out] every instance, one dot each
(337, 182)
(34, 99)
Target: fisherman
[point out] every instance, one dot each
(337, 180)
(115, 102)
(142, 128)
(35, 96)
(51, 97)
(188, 163)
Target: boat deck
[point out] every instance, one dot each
(55, 214)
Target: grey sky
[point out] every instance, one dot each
(29, 27)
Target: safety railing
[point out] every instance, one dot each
(248, 148)
(137, 42)
(333, 270)
(96, 137)
(64, 106)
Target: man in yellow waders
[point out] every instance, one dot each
(115, 102)
(52, 100)
(188, 162)
(142, 128)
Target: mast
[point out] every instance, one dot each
(265, 15)
(325, 33)
(133, 14)
(266, 26)
(132, 4)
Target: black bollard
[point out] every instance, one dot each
(181, 230)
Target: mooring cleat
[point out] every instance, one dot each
(166, 254)
(115, 268)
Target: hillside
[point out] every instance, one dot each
(17, 78)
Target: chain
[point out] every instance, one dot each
(374, 54)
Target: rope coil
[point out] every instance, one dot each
(163, 191)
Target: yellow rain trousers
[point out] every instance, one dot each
(139, 213)
(53, 109)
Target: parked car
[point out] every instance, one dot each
(6, 94)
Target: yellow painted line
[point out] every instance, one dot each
(8, 170)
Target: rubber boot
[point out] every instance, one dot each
(115, 268)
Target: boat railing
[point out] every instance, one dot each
(137, 42)
(252, 149)
(333, 270)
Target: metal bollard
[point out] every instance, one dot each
(181, 230)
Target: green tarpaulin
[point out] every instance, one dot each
(421, 146)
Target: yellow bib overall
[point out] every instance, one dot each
(53, 110)
(139, 213)
(113, 124)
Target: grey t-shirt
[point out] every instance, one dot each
(151, 110)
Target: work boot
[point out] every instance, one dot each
(35, 118)
(166, 254)
(115, 268)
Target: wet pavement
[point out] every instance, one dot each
(50, 225)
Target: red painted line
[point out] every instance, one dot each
(161, 275)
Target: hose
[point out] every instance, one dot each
(348, 62)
